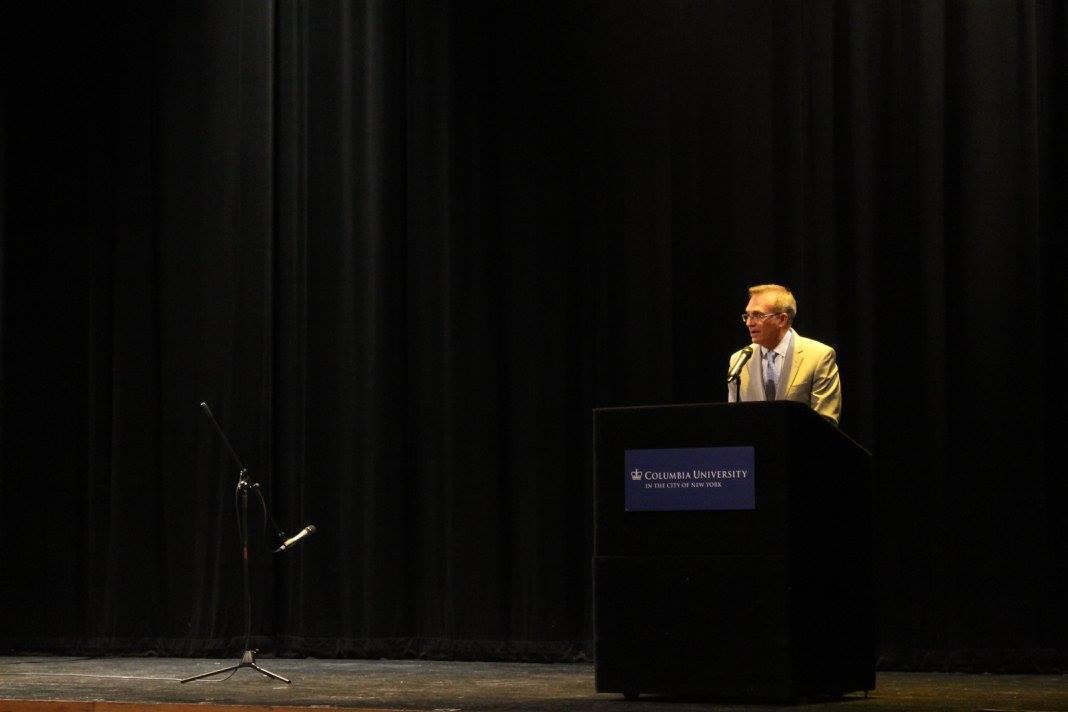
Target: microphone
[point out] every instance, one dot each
(288, 543)
(736, 369)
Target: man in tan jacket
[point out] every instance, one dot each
(785, 365)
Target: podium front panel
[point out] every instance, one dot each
(773, 601)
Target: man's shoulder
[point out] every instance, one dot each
(811, 345)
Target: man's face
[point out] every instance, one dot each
(766, 332)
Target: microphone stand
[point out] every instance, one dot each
(737, 381)
(244, 485)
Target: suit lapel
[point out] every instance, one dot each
(791, 366)
(754, 390)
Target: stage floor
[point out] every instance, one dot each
(54, 684)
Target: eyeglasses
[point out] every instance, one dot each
(757, 316)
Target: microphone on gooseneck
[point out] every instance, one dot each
(743, 358)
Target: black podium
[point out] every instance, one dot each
(766, 600)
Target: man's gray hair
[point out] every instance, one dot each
(784, 298)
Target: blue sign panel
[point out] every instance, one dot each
(693, 478)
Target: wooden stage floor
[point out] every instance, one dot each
(56, 684)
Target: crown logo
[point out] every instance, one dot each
(636, 475)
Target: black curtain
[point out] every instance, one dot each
(403, 248)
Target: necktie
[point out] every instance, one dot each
(769, 382)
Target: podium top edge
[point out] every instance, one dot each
(709, 404)
(779, 404)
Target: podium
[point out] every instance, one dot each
(759, 587)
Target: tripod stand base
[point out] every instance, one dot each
(248, 660)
